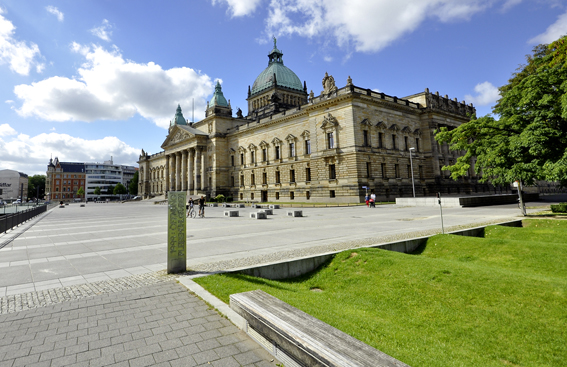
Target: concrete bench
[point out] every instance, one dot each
(274, 206)
(225, 205)
(295, 213)
(267, 211)
(231, 213)
(213, 205)
(238, 206)
(82, 205)
(61, 206)
(258, 215)
(280, 327)
(254, 206)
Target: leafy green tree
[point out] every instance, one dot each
(133, 187)
(119, 189)
(528, 141)
(97, 191)
(80, 192)
(35, 182)
(110, 190)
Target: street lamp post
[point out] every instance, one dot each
(411, 167)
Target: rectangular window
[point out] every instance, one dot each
(241, 180)
(421, 172)
(417, 144)
(252, 156)
(264, 155)
(264, 178)
(308, 174)
(232, 161)
(241, 159)
(406, 143)
(291, 195)
(380, 140)
(292, 149)
(397, 170)
(277, 176)
(252, 196)
(252, 179)
(307, 195)
(409, 171)
(365, 135)
(332, 172)
(331, 193)
(368, 169)
(277, 196)
(241, 196)
(307, 146)
(232, 180)
(278, 152)
(330, 141)
(393, 141)
(292, 175)
(383, 167)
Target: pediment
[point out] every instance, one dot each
(180, 133)
(329, 121)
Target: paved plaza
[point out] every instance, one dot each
(87, 286)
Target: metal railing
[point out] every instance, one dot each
(11, 220)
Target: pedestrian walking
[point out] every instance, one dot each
(367, 199)
(373, 200)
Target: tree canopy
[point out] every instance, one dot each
(97, 190)
(119, 189)
(528, 141)
(133, 187)
(35, 182)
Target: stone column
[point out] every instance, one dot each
(190, 169)
(177, 172)
(197, 169)
(203, 169)
(167, 172)
(184, 170)
(172, 172)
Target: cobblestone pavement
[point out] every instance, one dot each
(160, 324)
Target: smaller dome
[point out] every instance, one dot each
(218, 98)
(178, 119)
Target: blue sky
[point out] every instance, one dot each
(87, 80)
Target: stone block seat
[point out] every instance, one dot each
(231, 213)
(267, 211)
(274, 206)
(299, 339)
(295, 213)
(258, 215)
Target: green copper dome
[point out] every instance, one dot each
(284, 76)
(218, 98)
(178, 119)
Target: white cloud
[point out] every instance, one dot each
(111, 88)
(17, 54)
(31, 154)
(239, 8)
(509, 4)
(368, 26)
(104, 31)
(487, 94)
(553, 32)
(53, 10)
(7, 130)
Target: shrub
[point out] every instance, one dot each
(559, 208)
(220, 198)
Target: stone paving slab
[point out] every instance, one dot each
(152, 325)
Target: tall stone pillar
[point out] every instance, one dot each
(177, 172)
(172, 172)
(184, 170)
(203, 169)
(167, 172)
(190, 169)
(197, 169)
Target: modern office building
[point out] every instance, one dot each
(13, 185)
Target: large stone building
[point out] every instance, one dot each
(305, 147)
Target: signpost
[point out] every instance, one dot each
(176, 232)
(441, 209)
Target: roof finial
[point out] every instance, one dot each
(274, 37)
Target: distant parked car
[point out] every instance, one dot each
(136, 198)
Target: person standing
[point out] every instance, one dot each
(373, 200)
(190, 206)
(202, 206)
(366, 198)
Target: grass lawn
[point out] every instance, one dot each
(460, 301)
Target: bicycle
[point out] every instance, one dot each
(202, 212)
(191, 213)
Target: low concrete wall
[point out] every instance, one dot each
(298, 267)
(466, 201)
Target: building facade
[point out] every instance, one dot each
(13, 185)
(63, 180)
(293, 146)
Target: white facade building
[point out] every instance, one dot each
(106, 175)
(13, 185)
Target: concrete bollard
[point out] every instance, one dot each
(258, 215)
(274, 206)
(213, 205)
(267, 211)
(231, 213)
(295, 213)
